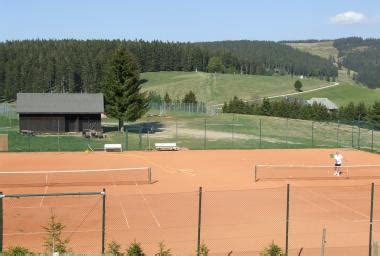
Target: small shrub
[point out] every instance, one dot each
(114, 249)
(54, 241)
(272, 250)
(135, 249)
(162, 250)
(17, 251)
(298, 85)
(204, 250)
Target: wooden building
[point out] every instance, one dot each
(59, 112)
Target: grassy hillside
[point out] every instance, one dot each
(219, 88)
(346, 92)
(321, 49)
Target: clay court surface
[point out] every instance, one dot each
(238, 214)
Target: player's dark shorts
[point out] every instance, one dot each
(337, 164)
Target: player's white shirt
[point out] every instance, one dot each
(338, 159)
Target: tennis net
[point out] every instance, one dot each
(267, 172)
(120, 176)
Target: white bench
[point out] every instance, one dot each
(113, 147)
(166, 146)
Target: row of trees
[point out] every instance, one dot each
(79, 66)
(363, 56)
(266, 58)
(189, 97)
(298, 109)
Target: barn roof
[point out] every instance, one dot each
(323, 101)
(62, 103)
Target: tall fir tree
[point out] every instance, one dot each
(121, 88)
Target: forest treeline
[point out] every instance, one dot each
(78, 66)
(362, 56)
(298, 109)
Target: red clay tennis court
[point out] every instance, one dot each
(238, 214)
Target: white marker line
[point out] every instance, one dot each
(120, 203)
(147, 205)
(43, 197)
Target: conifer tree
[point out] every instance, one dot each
(121, 88)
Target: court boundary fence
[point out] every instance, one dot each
(372, 245)
(103, 222)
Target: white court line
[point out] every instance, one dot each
(43, 197)
(341, 205)
(147, 205)
(120, 203)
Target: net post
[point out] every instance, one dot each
(199, 221)
(287, 220)
(255, 173)
(1, 222)
(150, 175)
(103, 219)
(371, 220)
(323, 242)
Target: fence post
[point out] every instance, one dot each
(140, 138)
(205, 136)
(323, 242)
(199, 222)
(176, 130)
(376, 248)
(29, 141)
(337, 135)
(370, 220)
(59, 148)
(103, 220)
(232, 131)
(287, 220)
(359, 134)
(287, 131)
(372, 138)
(126, 137)
(1, 222)
(260, 134)
(312, 134)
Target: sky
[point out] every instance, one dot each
(193, 21)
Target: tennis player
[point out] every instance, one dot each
(338, 163)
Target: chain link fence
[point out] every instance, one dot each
(47, 223)
(317, 220)
(197, 131)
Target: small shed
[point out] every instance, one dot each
(323, 101)
(59, 112)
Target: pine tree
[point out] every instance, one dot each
(189, 98)
(121, 88)
(167, 98)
